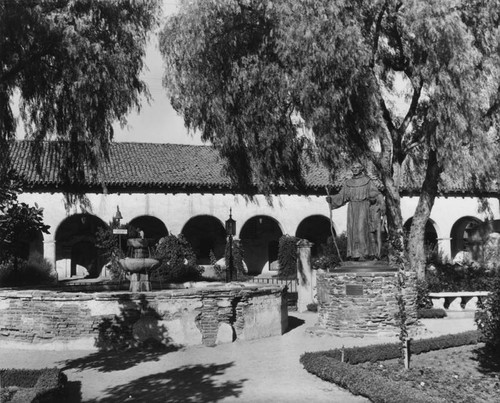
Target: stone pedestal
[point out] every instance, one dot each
(363, 302)
(139, 282)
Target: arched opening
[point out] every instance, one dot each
(316, 229)
(205, 233)
(430, 235)
(153, 227)
(260, 239)
(76, 253)
(461, 233)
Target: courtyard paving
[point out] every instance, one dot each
(266, 370)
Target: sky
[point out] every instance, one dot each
(157, 122)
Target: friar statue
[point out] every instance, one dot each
(365, 213)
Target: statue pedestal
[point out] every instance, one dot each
(369, 266)
(359, 299)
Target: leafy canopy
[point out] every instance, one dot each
(75, 66)
(402, 78)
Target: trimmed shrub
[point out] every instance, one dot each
(389, 351)
(423, 300)
(330, 259)
(177, 260)
(446, 277)
(37, 385)
(34, 271)
(431, 313)
(287, 256)
(488, 316)
(327, 365)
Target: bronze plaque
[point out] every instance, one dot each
(353, 289)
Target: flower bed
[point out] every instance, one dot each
(377, 386)
(454, 374)
(28, 385)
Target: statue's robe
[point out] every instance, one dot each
(359, 193)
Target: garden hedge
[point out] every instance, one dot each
(328, 366)
(431, 313)
(38, 385)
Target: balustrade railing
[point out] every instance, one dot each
(290, 283)
(457, 301)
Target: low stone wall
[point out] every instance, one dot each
(46, 319)
(362, 304)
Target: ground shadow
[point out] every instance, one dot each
(293, 323)
(134, 336)
(192, 383)
(488, 360)
(107, 361)
(72, 393)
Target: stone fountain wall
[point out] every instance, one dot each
(212, 315)
(362, 304)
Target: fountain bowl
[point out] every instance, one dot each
(138, 264)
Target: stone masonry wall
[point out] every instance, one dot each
(212, 315)
(359, 304)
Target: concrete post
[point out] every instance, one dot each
(49, 253)
(304, 275)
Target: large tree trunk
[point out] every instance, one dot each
(416, 241)
(394, 219)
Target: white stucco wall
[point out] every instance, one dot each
(288, 210)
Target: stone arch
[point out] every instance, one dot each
(260, 239)
(316, 229)
(430, 235)
(153, 227)
(205, 233)
(461, 232)
(76, 251)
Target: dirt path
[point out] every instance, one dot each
(266, 370)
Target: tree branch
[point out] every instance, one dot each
(387, 116)
(376, 35)
(417, 90)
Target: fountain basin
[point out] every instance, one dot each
(139, 268)
(138, 264)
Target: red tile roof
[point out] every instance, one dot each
(181, 168)
(168, 167)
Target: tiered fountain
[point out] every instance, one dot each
(139, 263)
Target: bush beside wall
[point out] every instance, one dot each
(287, 256)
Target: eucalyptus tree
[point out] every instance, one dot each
(411, 86)
(74, 66)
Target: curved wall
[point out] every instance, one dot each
(43, 319)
